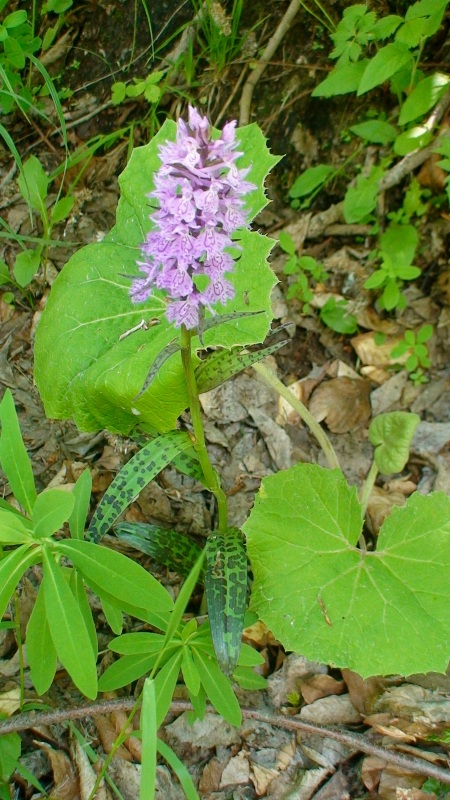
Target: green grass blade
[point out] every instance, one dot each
(179, 769)
(149, 742)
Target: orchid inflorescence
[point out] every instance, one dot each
(200, 193)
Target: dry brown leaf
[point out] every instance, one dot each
(343, 403)
(380, 506)
(393, 778)
(363, 692)
(10, 701)
(236, 772)
(66, 786)
(119, 719)
(108, 735)
(262, 777)
(320, 686)
(332, 710)
(368, 318)
(372, 768)
(211, 775)
(376, 355)
(414, 794)
(87, 776)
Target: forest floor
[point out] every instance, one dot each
(344, 379)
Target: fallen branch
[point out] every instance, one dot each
(358, 742)
(274, 41)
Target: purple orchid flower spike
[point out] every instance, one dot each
(200, 191)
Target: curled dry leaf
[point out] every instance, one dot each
(363, 692)
(342, 403)
(108, 735)
(65, 780)
(377, 355)
(262, 777)
(380, 506)
(320, 686)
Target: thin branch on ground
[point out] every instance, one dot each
(357, 741)
(274, 41)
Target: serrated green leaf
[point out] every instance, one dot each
(68, 628)
(115, 573)
(302, 538)
(218, 688)
(118, 92)
(391, 435)
(133, 477)
(13, 455)
(342, 80)
(170, 548)
(12, 529)
(82, 497)
(311, 179)
(51, 510)
(85, 365)
(226, 584)
(41, 651)
(423, 97)
(389, 60)
(375, 130)
(385, 27)
(12, 566)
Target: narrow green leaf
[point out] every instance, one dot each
(248, 679)
(391, 435)
(79, 593)
(218, 688)
(165, 683)
(12, 529)
(14, 457)
(191, 675)
(82, 494)
(179, 769)
(62, 209)
(226, 585)
(51, 510)
(115, 573)
(114, 617)
(134, 477)
(12, 567)
(249, 657)
(139, 643)
(41, 651)
(68, 628)
(125, 671)
(221, 365)
(156, 618)
(149, 741)
(183, 598)
(170, 548)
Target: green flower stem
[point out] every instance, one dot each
(271, 379)
(367, 486)
(199, 442)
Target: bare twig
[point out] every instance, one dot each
(274, 41)
(356, 741)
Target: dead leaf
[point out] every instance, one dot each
(262, 777)
(380, 505)
(108, 735)
(331, 710)
(86, 775)
(210, 778)
(236, 772)
(363, 692)
(343, 403)
(10, 701)
(66, 786)
(377, 355)
(320, 686)
(393, 778)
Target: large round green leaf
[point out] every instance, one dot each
(376, 612)
(86, 366)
